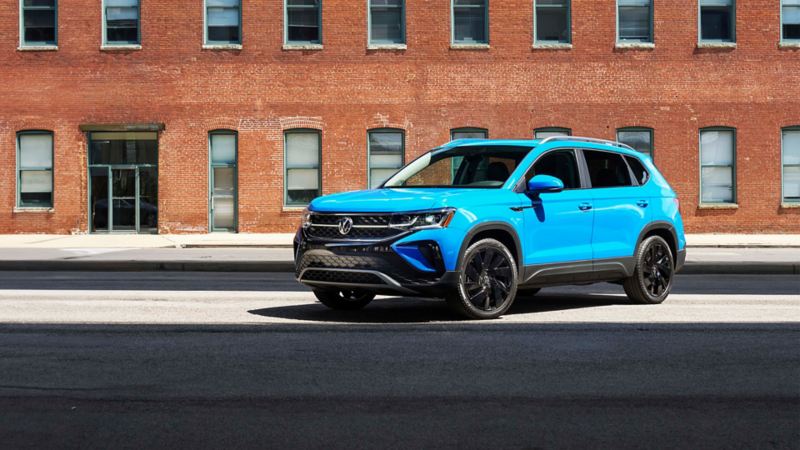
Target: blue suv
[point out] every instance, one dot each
(478, 222)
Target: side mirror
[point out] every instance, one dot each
(544, 183)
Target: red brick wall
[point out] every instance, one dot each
(426, 90)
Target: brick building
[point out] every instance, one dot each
(183, 116)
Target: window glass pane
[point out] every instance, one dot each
(35, 150)
(387, 24)
(223, 148)
(302, 179)
(302, 18)
(607, 169)
(715, 23)
(791, 147)
(791, 22)
(634, 23)
(542, 134)
(122, 3)
(381, 142)
(302, 149)
(552, 21)
(791, 183)
(222, 3)
(40, 25)
(48, 3)
(223, 17)
(386, 161)
(378, 176)
(469, 22)
(469, 135)
(716, 148)
(640, 140)
(638, 170)
(717, 184)
(223, 212)
(33, 181)
(223, 180)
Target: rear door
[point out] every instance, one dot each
(558, 226)
(621, 210)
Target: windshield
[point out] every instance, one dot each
(468, 167)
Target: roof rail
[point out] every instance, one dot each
(586, 139)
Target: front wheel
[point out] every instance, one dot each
(487, 281)
(655, 269)
(344, 299)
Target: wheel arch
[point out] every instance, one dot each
(663, 229)
(501, 231)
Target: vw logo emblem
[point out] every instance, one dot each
(345, 225)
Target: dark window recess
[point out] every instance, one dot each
(122, 21)
(303, 21)
(639, 172)
(561, 164)
(716, 23)
(39, 20)
(552, 21)
(469, 21)
(387, 21)
(124, 152)
(791, 19)
(607, 169)
(222, 17)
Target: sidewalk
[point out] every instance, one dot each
(707, 254)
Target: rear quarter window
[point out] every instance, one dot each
(607, 169)
(639, 172)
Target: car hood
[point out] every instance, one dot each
(394, 199)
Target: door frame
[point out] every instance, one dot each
(235, 167)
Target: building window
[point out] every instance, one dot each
(223, 180)
(39, 22)
(121, 19)
(641, 139)
(303, 150)
(387, 22)
(470, 22)
(386, 153)
(35, 169)
(223, 22)
(542, 133)
(717, 20)
(552, 21)
(790, 20)
(468, 133)
(717, 165)
(791, 165)
(303, 22)
(635, 20)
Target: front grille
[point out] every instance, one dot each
(373, 227)
(333, 276)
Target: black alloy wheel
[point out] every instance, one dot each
(487, 281)
(655, 269)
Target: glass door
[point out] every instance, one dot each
(124, 199)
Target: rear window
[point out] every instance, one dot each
(607, 169)
(639, 172)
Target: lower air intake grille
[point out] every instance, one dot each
(332, 276)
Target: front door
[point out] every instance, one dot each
(558, 226)
(123, 199)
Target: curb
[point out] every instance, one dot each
(690, 268)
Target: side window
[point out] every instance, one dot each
(639, 172)
(607, 169)
(561, 164)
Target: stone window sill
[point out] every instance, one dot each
(455, 46)
(723, 45)
(387, 47)
(37, 48)
(718, 206)
(552, 46)
(789, 45)
(302, 46)
(222, 47)
(120, 48)
(785, 205)
(293, 209)
(24, 209)
(635, 45)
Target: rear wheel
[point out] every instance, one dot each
(655, 269)
(344, 299)
(487, 281)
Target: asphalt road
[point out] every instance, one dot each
(120, 360)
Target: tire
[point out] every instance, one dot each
(654, 273)
(487, 281)
(344, 299)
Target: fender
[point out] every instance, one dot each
(492, 226)
(660, 225)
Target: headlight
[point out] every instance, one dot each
(305, 220)
(424, 220)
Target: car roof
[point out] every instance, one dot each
(575, 142)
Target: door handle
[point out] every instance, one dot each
(585, 206)
(642, 203)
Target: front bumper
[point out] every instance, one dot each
(376, 267)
